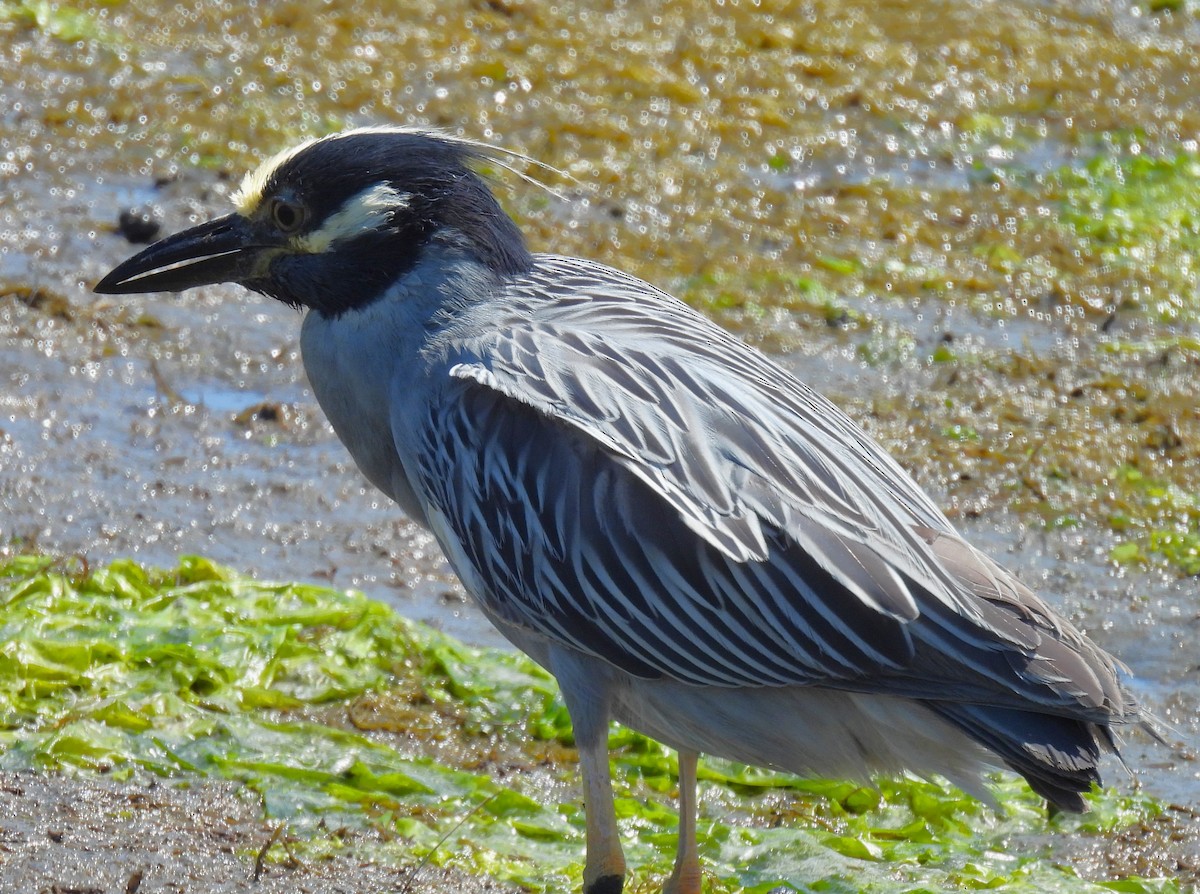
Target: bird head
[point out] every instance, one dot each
(333, 223)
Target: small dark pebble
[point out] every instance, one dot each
(55, 835)
(264, 412)
(138, 225)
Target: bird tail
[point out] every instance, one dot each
(1058, 756)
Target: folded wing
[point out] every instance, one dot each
(631, 480)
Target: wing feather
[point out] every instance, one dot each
(625, 477)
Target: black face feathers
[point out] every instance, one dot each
(334, 223)
(328, 171)
(432, 174)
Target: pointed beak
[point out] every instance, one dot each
(222, 250)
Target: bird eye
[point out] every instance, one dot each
(287, 215)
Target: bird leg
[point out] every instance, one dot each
(587, 703)
(604, 871)
(686, 877)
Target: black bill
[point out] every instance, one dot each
(222, 250)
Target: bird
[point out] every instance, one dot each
(691, 540)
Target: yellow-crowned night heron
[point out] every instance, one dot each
(691, 540)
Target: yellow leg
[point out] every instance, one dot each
(604, 871)
(587, 702)
(686, 877)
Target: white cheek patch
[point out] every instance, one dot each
(370, 209)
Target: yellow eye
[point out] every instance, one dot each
(286, 214)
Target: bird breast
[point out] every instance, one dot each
(355, 365)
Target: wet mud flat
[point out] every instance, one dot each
(68, 835)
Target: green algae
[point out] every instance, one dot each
(1138, 216)
(58, 20)
(325, 704)
(1158, 518)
